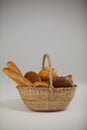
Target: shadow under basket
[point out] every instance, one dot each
(46, 99)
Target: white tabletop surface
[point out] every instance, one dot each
(14, 115)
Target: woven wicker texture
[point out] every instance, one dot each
(47, 99)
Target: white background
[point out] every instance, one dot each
(28, 29)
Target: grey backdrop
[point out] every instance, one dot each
(30, 28)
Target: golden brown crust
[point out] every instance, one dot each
(70, 77)
(13, 67)
(44, 74)
(19, 79)
(32, 76)
(40, 84)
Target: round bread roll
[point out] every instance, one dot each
(44, 74)
(32, 76)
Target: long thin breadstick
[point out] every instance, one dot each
(16, 77)
(13, 67)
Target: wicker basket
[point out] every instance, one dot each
(47, 99)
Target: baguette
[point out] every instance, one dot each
(13, 67)
(16, 77)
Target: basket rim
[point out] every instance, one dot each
(47, 88)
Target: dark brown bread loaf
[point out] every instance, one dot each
(63, 82)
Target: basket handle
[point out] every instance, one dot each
(50, 68)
